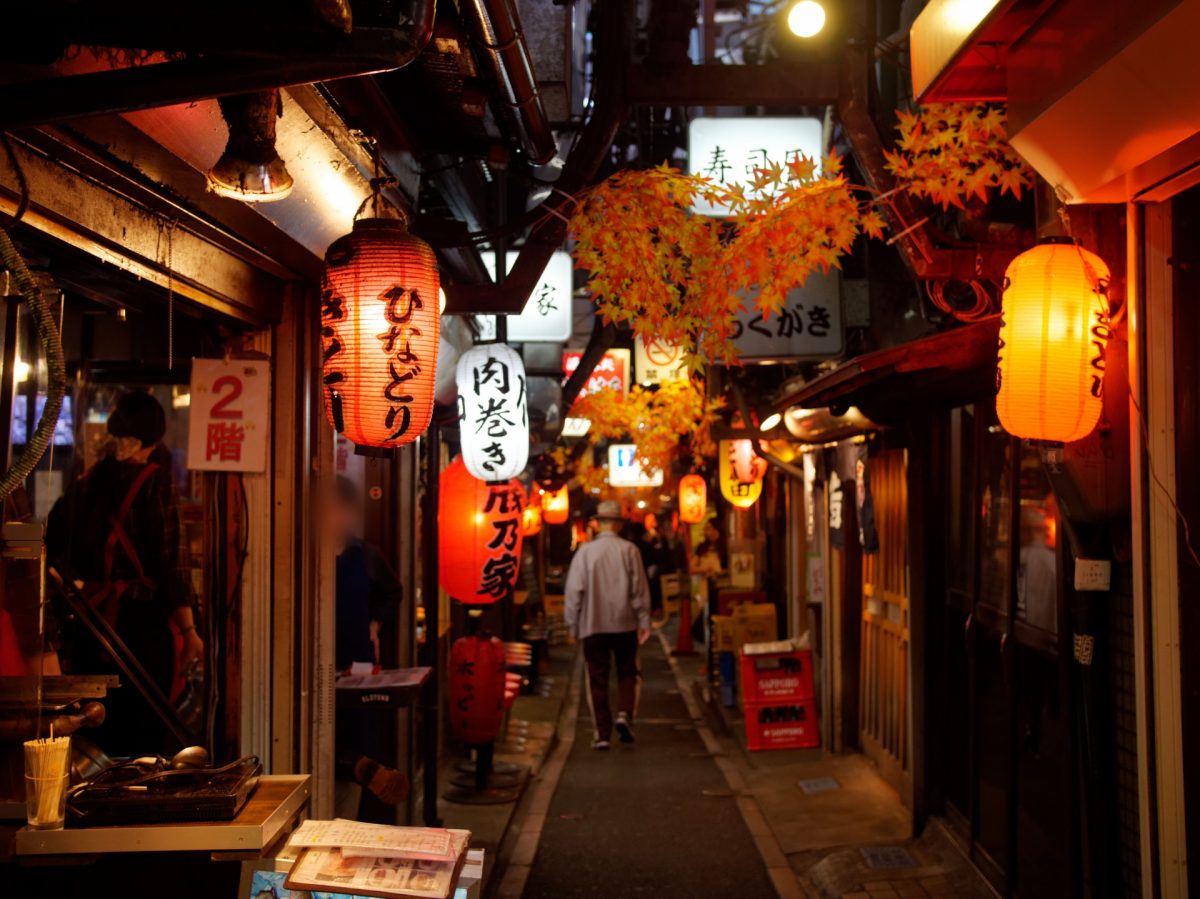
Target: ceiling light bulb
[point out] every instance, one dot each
(806, 18)
(771, 422)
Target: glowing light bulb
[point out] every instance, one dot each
(806, 18)
(771, 421)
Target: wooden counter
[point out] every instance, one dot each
(272, 808)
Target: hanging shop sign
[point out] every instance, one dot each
(729, 149)
(610, 373)
(493, 412)
(574, 426)
(556, 505)
(479, 534)
(808, 327)
(738, 493)
(625, 468)
(229, 415)
(837, 497)
(379, 333)
(657, 361)
(693, 499)
(1053, 335)
(547, 316)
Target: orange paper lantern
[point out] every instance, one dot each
(1049, 376)
(693, 499)
(556, 506)
(531, 521)
(479, 534)
(379, 333)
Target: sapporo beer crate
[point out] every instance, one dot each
(787, 725)
(777, 677)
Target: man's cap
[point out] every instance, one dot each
(609, 510)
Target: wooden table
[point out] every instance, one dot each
(268, 814)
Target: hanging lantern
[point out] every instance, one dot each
(531, 521)
(748, 465)
(556, 505)
(740, 494)
(492, 412)
(477, 689)
(1053, 336)
(693, 499)
(379, 333)
(479, 534)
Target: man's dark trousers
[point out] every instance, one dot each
(598, 652)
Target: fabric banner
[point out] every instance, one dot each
(837, 497)
(867, 534)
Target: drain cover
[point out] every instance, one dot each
(888, 857)
(819, 785)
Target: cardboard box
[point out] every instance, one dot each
(722, 630)
(754, 623)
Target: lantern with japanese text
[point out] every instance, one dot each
(379, 333)
(479, 534)
(492, 412)
(477, 689)
(531, 520)
(556, 505)
(748, 465)
(740, 494)
(693, 499)
(1055, 329)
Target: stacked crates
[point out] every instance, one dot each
(779, 701)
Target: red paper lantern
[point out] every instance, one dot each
(379, 333)
(477, 689)
(556, 506)
(479, 533)
(693, 499)
(531, 521)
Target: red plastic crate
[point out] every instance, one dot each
(782, 726)
(779, 677)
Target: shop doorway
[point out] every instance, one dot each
(884, 673)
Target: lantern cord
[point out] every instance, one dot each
(378, 182)
(1187, 531)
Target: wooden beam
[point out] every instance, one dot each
(794, 84)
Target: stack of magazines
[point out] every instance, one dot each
(349, 857)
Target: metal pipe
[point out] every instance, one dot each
(365, 51)
(496, 30)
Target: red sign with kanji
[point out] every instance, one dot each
(230, 414)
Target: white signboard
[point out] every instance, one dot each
(547, 314)
(808, 327)
(624, 469)
(657, 361)
(229, 418)
(729, 149)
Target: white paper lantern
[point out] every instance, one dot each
(493, 415)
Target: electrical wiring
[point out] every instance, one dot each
(981, 308)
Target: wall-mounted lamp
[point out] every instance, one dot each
(806, 18)
(250, 169)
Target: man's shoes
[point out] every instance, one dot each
(600, 745)
(624, 728)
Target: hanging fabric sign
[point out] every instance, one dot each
(493, 414)
(229, 415)
(867, 534)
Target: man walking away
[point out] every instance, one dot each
(608, 608)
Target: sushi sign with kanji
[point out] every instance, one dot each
(229, 415)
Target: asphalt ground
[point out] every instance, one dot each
(654, 818)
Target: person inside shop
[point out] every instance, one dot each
(607, 606)
(709, 561)
(367, 604)
(116, 533)
(656, 557)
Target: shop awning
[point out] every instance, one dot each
(946, 369)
